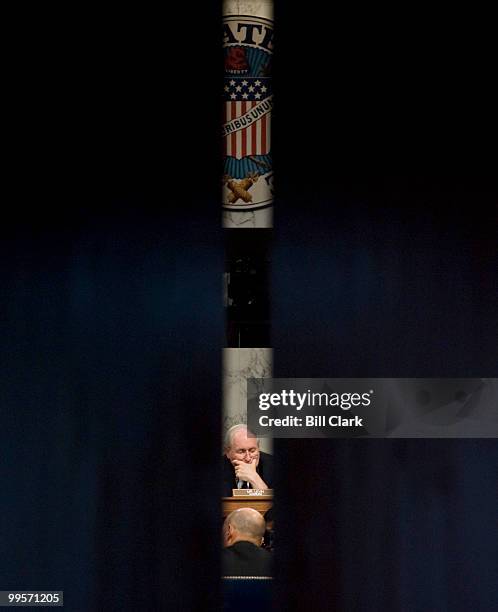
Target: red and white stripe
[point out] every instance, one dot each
(252, 140)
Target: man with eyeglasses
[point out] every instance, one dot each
(244, 465)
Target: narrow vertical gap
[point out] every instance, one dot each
(247, 200)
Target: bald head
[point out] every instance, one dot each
(245, 524)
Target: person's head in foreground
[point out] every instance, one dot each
(244, 525)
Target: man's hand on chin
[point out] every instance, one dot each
(247, 471)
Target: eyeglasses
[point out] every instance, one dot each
(242, 452)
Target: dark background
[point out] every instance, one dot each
(384, 264)
(112, 321)
(247, 278)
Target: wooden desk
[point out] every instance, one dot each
(261, 503)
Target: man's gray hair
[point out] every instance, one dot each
(232, 431)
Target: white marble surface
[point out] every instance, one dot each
(253, 219)
(261, 8)
(239, 364)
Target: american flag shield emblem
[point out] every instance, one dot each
(253, 135)
(247, 106)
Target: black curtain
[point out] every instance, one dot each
(112, 323)
(385, 264)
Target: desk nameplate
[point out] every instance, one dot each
(260, 493)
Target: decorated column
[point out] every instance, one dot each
(247, 190)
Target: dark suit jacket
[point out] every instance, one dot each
(246, 559)
(264, 469)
